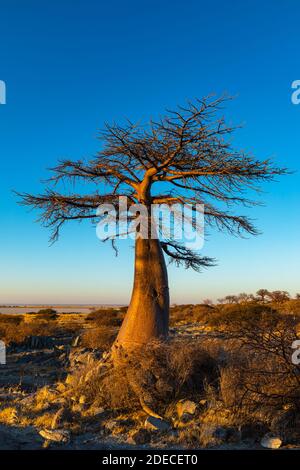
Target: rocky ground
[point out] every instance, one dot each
(39, 409)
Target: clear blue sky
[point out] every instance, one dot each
(70, 65)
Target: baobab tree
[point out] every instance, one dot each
(185, 157)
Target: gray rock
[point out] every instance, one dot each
(157, 424)
(271, 442)
(39, 342)
(55, 435)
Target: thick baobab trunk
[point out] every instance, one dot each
(147, 316)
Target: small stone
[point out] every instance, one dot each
(186, 407)
(157, 424)
(271, 442)
(56, 436)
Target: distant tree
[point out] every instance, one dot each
(208, 301)
(231, 299)
(252, 298)
(243, 297)
(185, 157)
(279, 296)
(297, 296)
(262, 294)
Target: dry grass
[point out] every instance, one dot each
(8, 415)
(240, 376)
(44, 421)
(291, 307)
(101, 338)
(107, 317)
(13, 328)
(158, 375)
(189, 313)
(243, 377)
(43, 399)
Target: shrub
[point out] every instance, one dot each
(234, 316)
(260, 371)
(16, 331)
(44, 314)
(106, 317)
(47, 311)
(158, 374)
(291, 307)
(189, 313)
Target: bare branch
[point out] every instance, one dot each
(181, 255)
